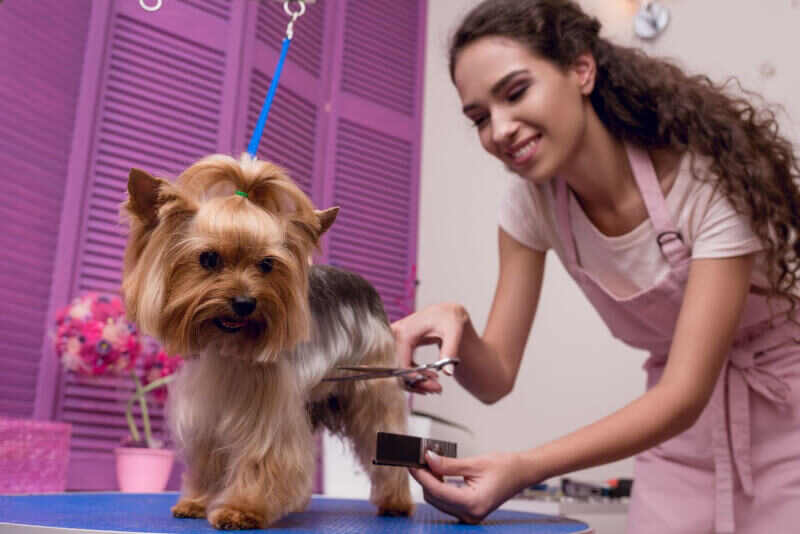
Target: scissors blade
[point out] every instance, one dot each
(362, 376)
(367, 368)
(370, 373)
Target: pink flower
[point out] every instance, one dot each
(93, 338)
(158, 364)
(105, 307)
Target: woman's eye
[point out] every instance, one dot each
(517, 93)
(480, 121)
(266, 265)
(210, 260)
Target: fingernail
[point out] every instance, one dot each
(430, 455)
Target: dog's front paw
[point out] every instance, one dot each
(396, 506)
(189, 508)
(303, 504)
(226, 518)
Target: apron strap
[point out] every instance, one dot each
(741, 376)
(565, 224)
(669, 239)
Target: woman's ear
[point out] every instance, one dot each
(585, 69)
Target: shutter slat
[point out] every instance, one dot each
(218, 9)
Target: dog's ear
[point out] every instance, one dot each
(312, 227)
(326, 218)
(143, 199)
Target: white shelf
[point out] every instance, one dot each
(568, 506)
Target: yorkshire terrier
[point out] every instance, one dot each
(218, 267)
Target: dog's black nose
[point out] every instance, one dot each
(243, 306)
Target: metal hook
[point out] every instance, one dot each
(294, 14)
(154, 7)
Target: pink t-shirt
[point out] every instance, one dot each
(631, 262)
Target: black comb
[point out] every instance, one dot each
(409, 451)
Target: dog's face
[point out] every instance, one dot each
(208, 269)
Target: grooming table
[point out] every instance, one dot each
(149, 512)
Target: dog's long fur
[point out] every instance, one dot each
(244, 405)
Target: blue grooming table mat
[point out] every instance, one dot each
(150, 512)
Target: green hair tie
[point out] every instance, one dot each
(241, 194)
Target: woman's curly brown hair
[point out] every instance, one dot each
(653, 103)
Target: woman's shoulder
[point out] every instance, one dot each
(527, 194)
(526, 213)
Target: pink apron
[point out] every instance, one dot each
(737, 469)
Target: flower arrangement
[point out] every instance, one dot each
(93, 338)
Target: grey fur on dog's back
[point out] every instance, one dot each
(331, 288)
(348, 325)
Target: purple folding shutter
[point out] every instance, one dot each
(374, 143)
(166, 90)
(39, 81)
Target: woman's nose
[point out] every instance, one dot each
(503, 129)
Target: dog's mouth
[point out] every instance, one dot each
(229, 324)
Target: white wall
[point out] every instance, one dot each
(573, 371)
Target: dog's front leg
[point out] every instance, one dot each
(262, 489)
(205, 470)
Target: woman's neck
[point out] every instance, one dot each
(601, 177)
(598, 171)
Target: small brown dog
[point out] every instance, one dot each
(217, 266)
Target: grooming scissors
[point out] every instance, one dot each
(368, 372)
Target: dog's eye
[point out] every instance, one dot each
(210, 260)
(266, 265)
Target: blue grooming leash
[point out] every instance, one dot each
(252, 148)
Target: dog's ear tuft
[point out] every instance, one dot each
(326, 218)
(143, 192)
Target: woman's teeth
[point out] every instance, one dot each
(524, 151)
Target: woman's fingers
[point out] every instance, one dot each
(441, 325)
(448, 498)
(423, 382)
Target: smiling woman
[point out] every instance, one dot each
(553, 104)
(664, 196)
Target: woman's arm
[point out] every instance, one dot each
(493, 360)
(709, 316)
(489, 363)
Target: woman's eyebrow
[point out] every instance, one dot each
(497, 87)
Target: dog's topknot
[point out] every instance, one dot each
(263, 183)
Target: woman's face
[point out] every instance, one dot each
(529, 113)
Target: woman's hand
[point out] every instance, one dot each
(442, 324)
(489, 481)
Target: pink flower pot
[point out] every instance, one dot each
(142, 470)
